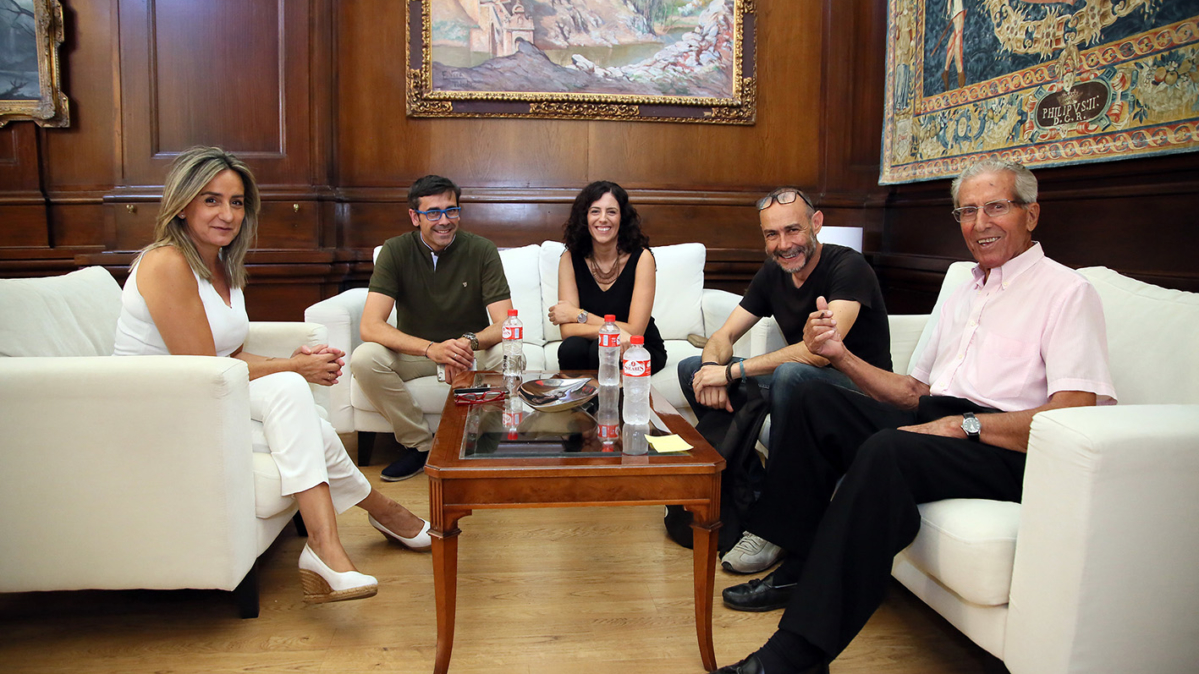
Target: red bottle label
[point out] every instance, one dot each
(517, 332)
(609, 431)
(636, 368)
(609, 340)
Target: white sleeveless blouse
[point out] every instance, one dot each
(138, 336)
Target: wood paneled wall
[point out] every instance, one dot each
(311, 94)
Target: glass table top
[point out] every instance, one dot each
(511, 428)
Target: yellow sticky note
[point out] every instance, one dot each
(668, 443)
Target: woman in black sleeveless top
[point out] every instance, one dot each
(604, 271)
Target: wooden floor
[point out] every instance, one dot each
(579, 590)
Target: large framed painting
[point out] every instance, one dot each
(652, 60)
(30, 86)
(1042, 82)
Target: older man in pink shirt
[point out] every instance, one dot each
(1024, 335)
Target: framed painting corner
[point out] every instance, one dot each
(31, 32)
(616, 60)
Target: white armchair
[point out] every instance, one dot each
(1096, 569)
(131, 472)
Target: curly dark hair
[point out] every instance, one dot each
(577, 238)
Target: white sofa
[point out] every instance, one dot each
(131, 472)
(682, 307)
(1097, 570)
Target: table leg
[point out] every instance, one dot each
(445, 583)
(705, 525)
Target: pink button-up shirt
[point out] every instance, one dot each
(1035, 327)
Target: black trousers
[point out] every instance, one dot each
(840, 550)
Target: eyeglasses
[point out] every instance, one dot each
(785, 197)
(434, 214)
(993, 209)
(480, 398)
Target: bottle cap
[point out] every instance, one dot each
(609, 318)
(512, 312)
(637, 339)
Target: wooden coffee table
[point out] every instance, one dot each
(483, 458)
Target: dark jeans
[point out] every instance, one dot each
(781, 385)
(840, 551)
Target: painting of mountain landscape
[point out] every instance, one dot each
(642, 48)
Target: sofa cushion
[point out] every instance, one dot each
(679, 295)
(71, 315)
(522, 269)
(551, 251)
(969, 545)
(1146, 363)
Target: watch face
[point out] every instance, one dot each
(582, 316)
(971, 425)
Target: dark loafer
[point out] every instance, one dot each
(752, 665)
(758, 595)
(411, 464)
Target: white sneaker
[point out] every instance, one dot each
(751, 554)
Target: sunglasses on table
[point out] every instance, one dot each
(479, 396)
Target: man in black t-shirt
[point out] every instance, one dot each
(799, 270)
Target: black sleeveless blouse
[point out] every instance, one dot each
(616, 300)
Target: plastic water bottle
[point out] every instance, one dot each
(514, 337)
(636, 382)
(608, 417)
(609, 352)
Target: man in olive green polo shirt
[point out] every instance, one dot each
(444, 283)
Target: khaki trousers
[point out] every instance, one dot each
(382, 372)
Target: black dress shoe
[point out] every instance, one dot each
(411, 464)
(750, 665)
(758, 595)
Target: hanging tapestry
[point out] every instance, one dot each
(1041, 82)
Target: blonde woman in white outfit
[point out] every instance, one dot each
(184, 297)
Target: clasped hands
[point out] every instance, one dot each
(318, 365)
(455, 354)
(567, 313)
(821, 336)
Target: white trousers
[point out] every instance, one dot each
(304, 446)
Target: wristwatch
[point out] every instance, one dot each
(474, 340)
(582, 316)
(971, 425)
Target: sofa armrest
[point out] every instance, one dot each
(125, 472)
(1105, 577)
(905, 333)
(280, 339)
(341, 315)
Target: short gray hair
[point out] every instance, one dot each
(1026, 182)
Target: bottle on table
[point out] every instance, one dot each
(636, 382)
(609, 352)
(513, 333)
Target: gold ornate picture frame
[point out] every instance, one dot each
(30, 85)
(623, 60)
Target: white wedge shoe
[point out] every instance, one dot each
(420, 542)
(322, 584)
